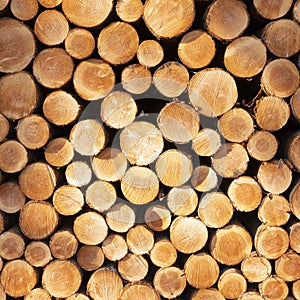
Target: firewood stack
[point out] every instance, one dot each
(149, 149)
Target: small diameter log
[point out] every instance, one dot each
(296, 11)
(17, 102)
(227, 19)
(60, 108)
(173, 168)
(171, 79)
(17, 44)
(274, 176)
(170, 282)
(272, 11)
(231, 160)
(271, 241)
(50, 3)
(93, 79)
(138, 290)
(293, 151)
(295, 200)
(245, 57)
(78, 173)
(271, 113)
(163, 254)
(212, 92)
(250, 296)
(85, 225)
(129, 10)
(136, 79)
(196, 49)
(296, 289)
(232, 284)
(4, 127)
(61, 278)
(201, 270)
(68, 200)
(140, 185)
(295, 102)
(25, 274)
(207, 142)
(295, 237)
(203, 294)
(120, 218)
(133, 267)
(24, 10)
(104, 284)
(185, 240)
(141, 142)
(273, 288)
(231, 244)
(13, 156)
(150, 53)
(256, 268)
(204, 179)
(262, 145)
(280, 78)
(38, 293)
(178, 122)
(37, 181)
(118, 109)
(118, 43)
(114, 247)
(182, 201)
(33, 132)
(38, 254)
(215, 210)
(12, 245)
(158, 217)
(274, 210)
(110, 164)
(287, 266)
(177, 17)
(90, 257)
(30, 220)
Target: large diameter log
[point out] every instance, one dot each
(287, 266)
(90, 257)
(24, 10)
(274, 287)
(163, 254)
(295, 103)
(114, 247)
(38, 254)
(129, 10)
(272, 10)
(138, 290)
(150, 53)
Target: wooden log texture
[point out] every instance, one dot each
(24, 10)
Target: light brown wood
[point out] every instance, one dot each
(3, 5)
(274, 210)
(61, 278)
(296, 289)
(294, 200)
(84, 226)
(17, 44)
(26, 275)
(12, 245)
(93, 79)
(140, 185)
(30, 219)
(203, 294)
(138, 290)
(204, 179)
(60, 108)
(68, 200)
(256, 268)
(136, 79)
(104, 284)
(274, 176)
(4, 127)
(178, 122)
(2, 227)
(271, 241)
(13, 156)
(293, 151)
(201, 270)
(251, 296)
(25, 9)
(295, 103)
(38, 181)
(280, 78)
(295, 237)
(78, 296)
(185, 240)
(141, 142)
(215, 210)
(150, 53)
(245, 57)
(287, 266)
(231, 244)
(38, 293)
(158, 217)
(50, 3)
(170, 282)
(196, 49)
(114, 247)
(90, 257)
(171, 79)
(273, 288)
(118, 109)
(163, 254)
(262, 145)
(129, 10)
(272, 10)
(133, 267)
(296, 11)
(80, 43)
(17, 102)
(227, 19)
(212, 92)
(38, 254)
(173, 168)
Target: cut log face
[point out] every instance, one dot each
(24, 10)
(296, 10)
(38, 254)
(163, 254)
(150, 53)
(295, 237)
(12, 199)
(4, 127)
(158, 217)
(38, 293)
(295, 200)
(12, 245)
(250, 296)
(273, 10)
(114, 247)
(129, 10)
(274, 288)
(293, 151)
(50, 3)
(204, 179)
(90, 257)
(295, 103)
(203, 294)
(296, 289)
(287, 266)
(138, 290)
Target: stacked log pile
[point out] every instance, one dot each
(149, 149)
